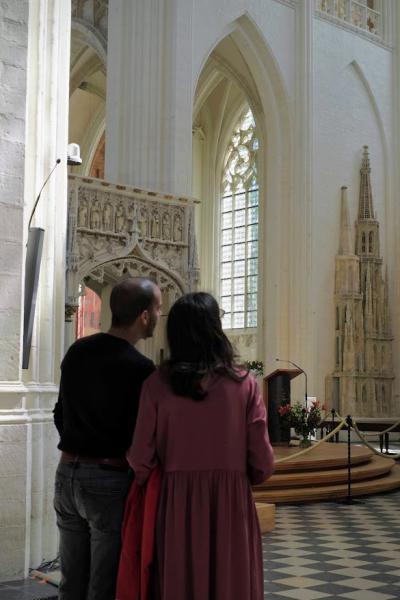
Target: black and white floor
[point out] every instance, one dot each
(316, 551)
(328, 550)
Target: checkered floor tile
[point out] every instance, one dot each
(316, 551)
(328, 550)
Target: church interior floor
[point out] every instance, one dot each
(27, 589)
(331, 550)
(316, 551)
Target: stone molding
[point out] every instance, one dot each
(26, 417)
(93, 15)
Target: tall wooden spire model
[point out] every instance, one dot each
(361, 384)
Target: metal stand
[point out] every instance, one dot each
(349, 499)
(333, 424)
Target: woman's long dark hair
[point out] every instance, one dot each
(198, 346)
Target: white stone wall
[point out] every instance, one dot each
(324, 91)
(321, 91)
(34, 55)
(352, 107)
(13, 65)
(13, 449)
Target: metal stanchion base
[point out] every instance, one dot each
(349, 501)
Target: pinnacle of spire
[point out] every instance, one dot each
(365, 208)
(345, 246)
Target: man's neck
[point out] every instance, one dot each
(129, 334)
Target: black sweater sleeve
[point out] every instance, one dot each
(58, 413)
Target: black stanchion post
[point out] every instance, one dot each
(333, 423)
(349, 425)
(349, 498)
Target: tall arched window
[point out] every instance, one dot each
(239, 227)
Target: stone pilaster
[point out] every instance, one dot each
(302, 317)
(149, 147)
(36, 57)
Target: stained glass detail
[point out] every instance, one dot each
(226, 220)
(226, 253)
(239, 285)
(238, 320)
(252, 319)
(226, 204)
(240, 234)
(239, 268)
(240, 217)
(240, 251)
(238, 303)
(226, 287)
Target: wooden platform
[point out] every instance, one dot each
(322, 475)
(266, 516)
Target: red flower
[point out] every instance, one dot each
(284, 410)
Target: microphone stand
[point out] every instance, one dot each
(41, 190)
(300, 369)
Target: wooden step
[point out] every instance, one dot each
(335, 491)
(324, 456)
(266, 516)
(375, 467)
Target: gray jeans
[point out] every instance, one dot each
(89, 502)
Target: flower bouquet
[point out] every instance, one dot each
(303, 420)
(255, 366)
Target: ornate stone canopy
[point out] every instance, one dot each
(116, 231)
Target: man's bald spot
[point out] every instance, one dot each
(129, 298)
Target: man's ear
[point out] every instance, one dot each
(145, 317)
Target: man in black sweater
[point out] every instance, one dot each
(101, 379)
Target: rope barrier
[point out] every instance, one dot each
(340, 426)
(374, 433)
(366, 442)
(307, 450)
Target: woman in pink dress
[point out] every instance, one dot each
(203, 421)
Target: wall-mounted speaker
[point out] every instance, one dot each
(32, 270)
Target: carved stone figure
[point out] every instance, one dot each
(105, 211)
(95, 216)
(143, 223)
(83, 214)
(119, 219)
(177, 228)
(107, 217)
(155, 225)
(166, 227)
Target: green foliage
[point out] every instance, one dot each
(255, 366)
(303, 420)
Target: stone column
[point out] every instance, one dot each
(35, 54)
(149, 96)
(393, 252)
(302, 346)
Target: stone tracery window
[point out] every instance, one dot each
(239, 227)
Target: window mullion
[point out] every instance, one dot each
(246, 237)
(233, 254)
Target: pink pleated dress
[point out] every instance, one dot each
(208, 540)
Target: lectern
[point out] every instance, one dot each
(276, 394)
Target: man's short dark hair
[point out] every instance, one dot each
(129, 298)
